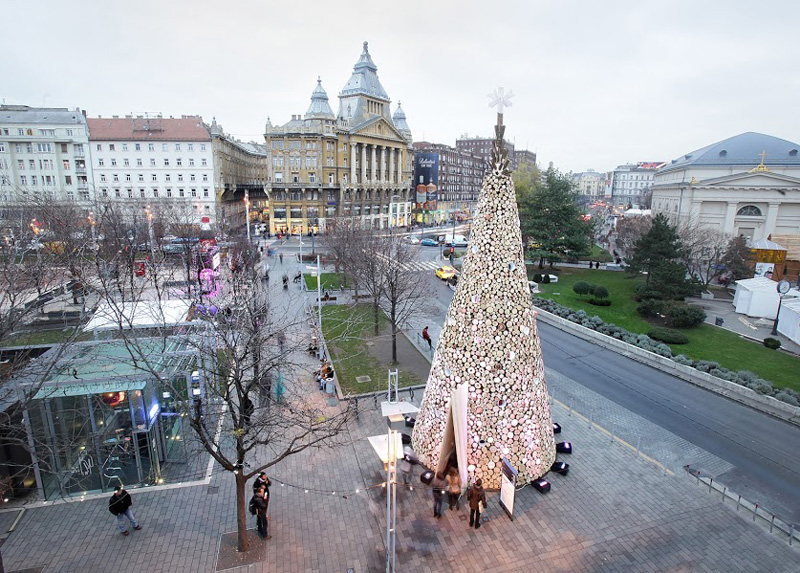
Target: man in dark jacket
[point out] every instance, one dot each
(120, 504)
(439, 486)
(477, 500)
(262, 481)
(261, 503)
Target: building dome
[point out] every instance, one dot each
(364, 80)
(747, 150)
(319, 108)
(399, 120)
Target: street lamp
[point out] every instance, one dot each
(247, 212)
(92, 223)
(782, 288)
(391, 211)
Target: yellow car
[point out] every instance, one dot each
(446, 272)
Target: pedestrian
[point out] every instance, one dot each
(280, 256)
(427, 338)
(477, 503)
(453, 488)
(406, 462)
(262, 481)
(120, 504)
(438, 484)
(261, 503)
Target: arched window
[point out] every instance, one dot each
(749, 211)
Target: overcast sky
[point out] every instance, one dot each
(597, 84)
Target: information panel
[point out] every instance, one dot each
(508, 488)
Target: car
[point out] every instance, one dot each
(428, 242)
(446, 272)
(412, 240)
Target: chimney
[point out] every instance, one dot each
(83, 111)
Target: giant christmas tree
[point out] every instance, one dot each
(486, 397)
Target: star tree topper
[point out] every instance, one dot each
(500, 99)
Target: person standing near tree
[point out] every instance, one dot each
(477, 502)
(261, 503)
(438, 484)
(120, 505)
(453, 488)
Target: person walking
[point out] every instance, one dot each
(453, 489)
(261, 503)
(262, 481)
(438, 484)
(280, 257)
(477, 501)
(427, 338)
(120, 505)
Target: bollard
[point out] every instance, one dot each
(710, 481)
(791, 534)
(755, 511)
(570, 407)
(411, 393)
(664, 465)
(375, 400)
(771, 524)
(738, 503)
(724, 491)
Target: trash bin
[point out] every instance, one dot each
(719, 321)
(330, 387)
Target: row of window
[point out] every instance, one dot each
(153, 177)
(101, 162)
(154, 193)
(40, 132)
(150, 147)
(40, 148)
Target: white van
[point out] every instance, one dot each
(455, 241)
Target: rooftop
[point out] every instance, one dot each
(746, 150)
(145, 128)
(23, 114)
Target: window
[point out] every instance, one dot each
(29, 147)
(141, 193)
(44, 148)
(21, 164)
(34, 180)
(181, 193)
(152, 162)
(202, 147)
(67, 179)
(113, 162)
(116, 178)
(63, 148)
(117, 193)
(204, 163)
(330, 178)
(191, 177)
(23, 180)
(155, 177)
(151, 147)
(169, 192)
(111, 147)
(205, 177)
(166, 162)
(127, 177)
(312, 177)
(104, 192)
(190, 146)
(177, 147)
(749, 211)
(194, 192)
(141, 177)
(155, 193)
(99, 147)
(103, 177)
(167, 177)
(32, 163)
(178, 162)
(139, 162)
(137, 147)
(130, 193)
(205, 192)
(2, 147)
(164, 147)
(278, 177)
(191, 162)
(180, 176)
(99, 163)
(126, 162)
(124, 147)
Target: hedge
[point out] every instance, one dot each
(668, 335)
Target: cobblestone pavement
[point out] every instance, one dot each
(615, 511)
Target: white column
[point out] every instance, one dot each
(399, 167)
(730, 215)
(772, 218)
(363, 163)
(352, 164)
(373, 175)
(391, 166)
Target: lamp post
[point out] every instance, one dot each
(92, 223)
(782, 288)
(391, 211)
(149, 215)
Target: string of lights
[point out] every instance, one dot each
(344, 493)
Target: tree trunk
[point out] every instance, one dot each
(541, 262)
(243, 543)
(376, 315)
(394, 335)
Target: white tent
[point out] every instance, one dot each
(758, 297)
(789, 319)
(141, 314)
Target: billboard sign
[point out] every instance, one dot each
(426, 177)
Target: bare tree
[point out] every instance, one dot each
(630, 230)
(703, 249)
(244, 347)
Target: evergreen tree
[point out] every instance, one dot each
(551, 221)
(737, 259)
(658, 253)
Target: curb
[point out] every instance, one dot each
(765, 404)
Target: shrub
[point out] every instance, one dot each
(545, 279)
(685, 316)
(785, 396)
(537, 278)
(652, 307)
(683, 359)
(706, 366)
(772, 343)
(724, 373)
(760, 386)
(599, 302)
(643, 292)
(582, 287)
(668, 335)
(600, 291)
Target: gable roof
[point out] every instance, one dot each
(743, 150)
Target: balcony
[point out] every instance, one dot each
(78, 154)
(83, 186)
(80, 170)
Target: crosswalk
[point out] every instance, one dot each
(415, 266)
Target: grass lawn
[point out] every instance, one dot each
(599, 254)
(45, 337)
(706, 342)
(349, 333)
(330, 281)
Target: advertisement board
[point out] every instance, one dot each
(508, 488)
(426, 177)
